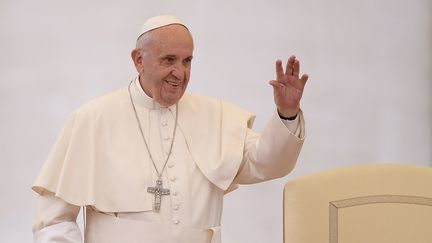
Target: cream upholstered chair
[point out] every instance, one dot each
(373, 203)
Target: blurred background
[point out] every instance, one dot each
(368, 98)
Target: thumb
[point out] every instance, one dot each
(276, 84)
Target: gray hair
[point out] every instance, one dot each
(142, 42)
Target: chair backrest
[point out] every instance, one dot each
(372, 203)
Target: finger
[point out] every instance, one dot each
(276, 84)
(304, 78)
(290, 65)
(279, 70)
(296, 70)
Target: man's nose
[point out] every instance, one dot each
(179, 71)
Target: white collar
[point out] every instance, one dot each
(141, 98)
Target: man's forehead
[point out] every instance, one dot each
(160, 21)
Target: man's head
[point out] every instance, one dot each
(163, 58)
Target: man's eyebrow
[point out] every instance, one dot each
(168, 56)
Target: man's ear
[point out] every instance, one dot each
(137, 59)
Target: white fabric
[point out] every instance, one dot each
(65, 232)
(160, 21)
(101, 141)
(53, 210)
(296, 126)
(195, 202)
(106, 228)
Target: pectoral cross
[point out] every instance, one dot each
(158, 192)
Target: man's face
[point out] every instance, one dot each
(164, 63)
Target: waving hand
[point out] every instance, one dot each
(288, 87)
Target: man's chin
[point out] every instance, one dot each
(168, 102)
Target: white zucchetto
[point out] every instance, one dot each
(159, 21)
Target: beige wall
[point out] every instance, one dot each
(368, 98)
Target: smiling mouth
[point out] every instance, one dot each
(173, 83)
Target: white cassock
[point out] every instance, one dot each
(100, 161)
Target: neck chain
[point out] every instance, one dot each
(158, 189)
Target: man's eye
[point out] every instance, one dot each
(187, 61)
(169, 60)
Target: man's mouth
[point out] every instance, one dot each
(173, 83)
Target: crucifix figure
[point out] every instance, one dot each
(158, 192)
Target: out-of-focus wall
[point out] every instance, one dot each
(368, 98)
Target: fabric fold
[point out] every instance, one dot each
(100, 143)
(68, 232)
(109, 229)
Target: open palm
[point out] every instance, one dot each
(288, 87)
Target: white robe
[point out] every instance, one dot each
(214, 150)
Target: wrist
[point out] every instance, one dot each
(289, 117)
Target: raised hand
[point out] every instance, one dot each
(288, 87)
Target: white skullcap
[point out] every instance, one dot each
(159, 21)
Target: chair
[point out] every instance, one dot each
(372, 203)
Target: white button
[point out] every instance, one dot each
(175, 193)
(170, 165)
(167, 138)
(176, 207)
(173, 178)
(167, 152)
(164, 123)
(176, 221)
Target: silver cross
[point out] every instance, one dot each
(158, 192)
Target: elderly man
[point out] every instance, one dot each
(151, 163)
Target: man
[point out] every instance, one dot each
(151, 163)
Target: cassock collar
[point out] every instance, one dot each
(141, 98)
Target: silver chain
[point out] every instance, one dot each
(145, 142)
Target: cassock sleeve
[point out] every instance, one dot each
(295, 126)
(272, 154)
(55, 221)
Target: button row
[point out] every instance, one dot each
(175, 206)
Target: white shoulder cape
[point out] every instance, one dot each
(99, 158)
